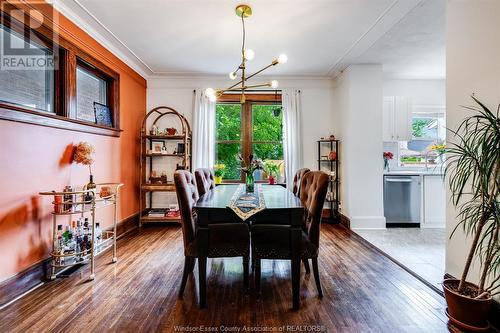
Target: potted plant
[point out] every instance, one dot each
(272, 169)
(249, 169)
(219, 172)
(474, 179)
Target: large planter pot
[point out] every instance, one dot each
(464, 312)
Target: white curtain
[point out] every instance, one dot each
(291, 133)
(203, 131)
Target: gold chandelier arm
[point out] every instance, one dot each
(274, 63)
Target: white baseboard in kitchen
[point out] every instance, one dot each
(367, 222)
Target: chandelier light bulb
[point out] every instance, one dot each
(274, 84)
(210, 92)
(232, 75)
(249, 54)
(282, 59)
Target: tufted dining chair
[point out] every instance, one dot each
(273, 241)
(204, 180)
(297, 179)
(225, 239)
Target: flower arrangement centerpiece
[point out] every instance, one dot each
(82, 154)
(387, 156)
(273, 170)
(249, 169)
(219, 172)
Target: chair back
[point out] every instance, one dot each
(204, 180)
(313, 188)
(187, 195)
(297, 179)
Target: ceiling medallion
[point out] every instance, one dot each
(245, 11)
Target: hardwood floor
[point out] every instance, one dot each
(363, 292)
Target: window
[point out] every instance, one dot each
(90, 89)
(255, 127)
(47, 80)
(33, 89)
(428, 129)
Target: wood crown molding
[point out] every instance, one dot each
(99, 51)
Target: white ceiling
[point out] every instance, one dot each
(415, 47)
(195, 37)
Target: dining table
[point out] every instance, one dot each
(281, 207)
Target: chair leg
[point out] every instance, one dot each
(202, 271)
(257, 275)
(193, 263)
(316, 276)
(185, 273)
(245, 271)
(306, 265)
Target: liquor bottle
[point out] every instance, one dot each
(59, 245)
(98, 237)
(68, 199)
(90, 186)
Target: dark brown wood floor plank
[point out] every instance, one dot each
(363, 292)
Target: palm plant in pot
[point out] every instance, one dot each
(474, 179)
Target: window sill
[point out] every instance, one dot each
(20, 114)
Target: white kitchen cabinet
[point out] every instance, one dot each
(396, 118)
(434, 202)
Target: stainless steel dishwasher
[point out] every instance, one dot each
(402, 200)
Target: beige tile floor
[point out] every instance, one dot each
(421, 250)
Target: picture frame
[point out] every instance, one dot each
(103, 115)
(157, 146)
(181, 148)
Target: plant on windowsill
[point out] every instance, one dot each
(272, 169)
(474, 179)
(219, 172)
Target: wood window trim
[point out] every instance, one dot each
(64, 84)
(246, 123)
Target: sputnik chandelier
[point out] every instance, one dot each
(245, 11)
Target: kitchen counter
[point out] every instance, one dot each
(430, 172)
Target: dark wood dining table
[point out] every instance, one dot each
(282, 208)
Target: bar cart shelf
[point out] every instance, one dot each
(149, 157)
(331, 166)
(83, 203)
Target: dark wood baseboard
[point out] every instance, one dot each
(345, 221)
(494, 316)
(36, 274)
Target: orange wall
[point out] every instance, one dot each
(30, 162)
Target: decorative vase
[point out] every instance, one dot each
(250, 183)
(332, 156)
(218, 179)
(272, 180)
(386, 165)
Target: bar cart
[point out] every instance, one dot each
(86, 242)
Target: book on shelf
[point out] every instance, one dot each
(156, 212)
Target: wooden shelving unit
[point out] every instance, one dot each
(334, 184)
(148, 159)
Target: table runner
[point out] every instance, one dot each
(247, 204)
